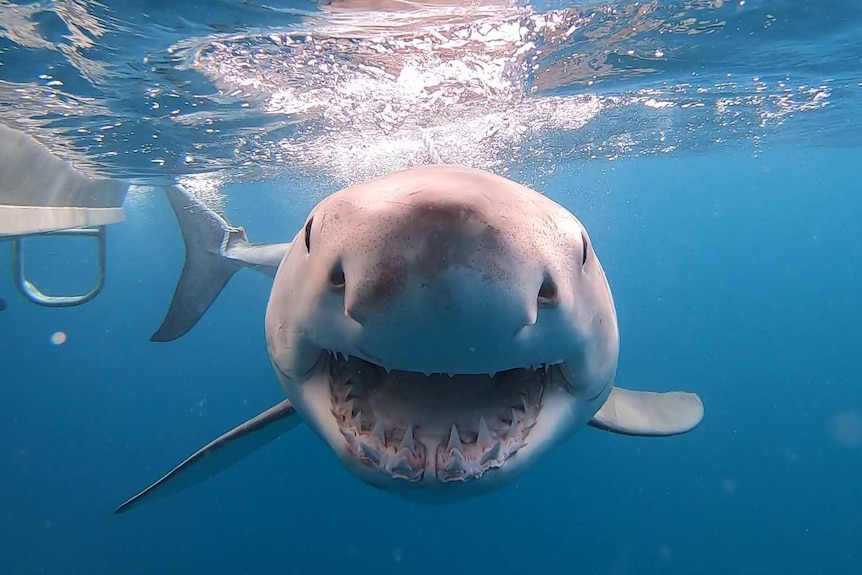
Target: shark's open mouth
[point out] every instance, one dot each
(456, 427)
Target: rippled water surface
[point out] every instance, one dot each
(153, 91)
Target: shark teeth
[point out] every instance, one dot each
(337, 355)
(492, 454)
(407, 441)
(460, 461)
(377, 433)
(456, 459)
(484, 439)
(475, 441)
(516, 417)
(406, 461)
(454, 439)
(369, 453)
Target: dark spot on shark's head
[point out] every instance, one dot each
(2, 304)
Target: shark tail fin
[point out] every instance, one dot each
(207, 269)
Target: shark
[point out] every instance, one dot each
(440, 328)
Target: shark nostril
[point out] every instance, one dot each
(548, 292)
(336, 277)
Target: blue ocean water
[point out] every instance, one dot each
(735, 260)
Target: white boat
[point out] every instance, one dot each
(42, 194)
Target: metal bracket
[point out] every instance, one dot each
(37, 296)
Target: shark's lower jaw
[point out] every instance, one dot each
(417, 427)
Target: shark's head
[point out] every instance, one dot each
(441, 327)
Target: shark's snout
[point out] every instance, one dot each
(447, 298)
(446, 260)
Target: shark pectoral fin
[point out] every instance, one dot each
(221, 453)
(649, 413)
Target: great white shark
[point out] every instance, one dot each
(440, 328)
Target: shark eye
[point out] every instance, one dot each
(585, 247)
(308, 234)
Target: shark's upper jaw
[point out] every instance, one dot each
(422, 428)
